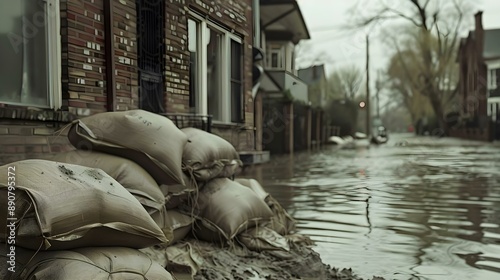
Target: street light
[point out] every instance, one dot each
(362, 104)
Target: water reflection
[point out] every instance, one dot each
(427, 210)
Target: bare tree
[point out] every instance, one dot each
(345, 83)
(305, 56)
(439, 24)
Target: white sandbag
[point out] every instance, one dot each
(174, 224)
(96, 263)
(63, 206)
(148, 139)
(208, 156)
(225, 208)
(129, 174)
(263, 239)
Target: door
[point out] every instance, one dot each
(150, 48)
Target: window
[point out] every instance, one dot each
(29, 53)
(275, 58)
(216, 79)
(492, 78)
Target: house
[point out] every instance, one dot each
(479, 83)
(282, 93)
(67, 59)
(316, 81)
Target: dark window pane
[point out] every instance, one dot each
(193, 65)
(214, 64)
(237, 114)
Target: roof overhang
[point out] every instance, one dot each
(283, 16)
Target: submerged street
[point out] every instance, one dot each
(414, 208)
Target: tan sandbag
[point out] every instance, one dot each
(177, 194)
(225, 208)
(208, 156)
(174, 224)
(263, 239)
(281, 222)
(255, 186)
(63, 206)
(148, 139)
(129, 174)
(96, 263)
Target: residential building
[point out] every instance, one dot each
(282, 26)
(67, 59)
(479, 60)
(316, 81)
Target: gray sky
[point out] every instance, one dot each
(323, 16)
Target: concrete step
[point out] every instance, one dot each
(254, 157)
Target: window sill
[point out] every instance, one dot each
(230, 125)
(35, 114)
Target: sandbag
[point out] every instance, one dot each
(64, 206)
(225, 208)
(174, 224)
(148, 139)
(208, 156)
(96, 263)
(177, 194)
(263, 239)
(255, 186)
(129, 174)
(281, 221)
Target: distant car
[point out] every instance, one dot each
(379, 132)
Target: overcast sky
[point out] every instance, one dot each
(324, 18)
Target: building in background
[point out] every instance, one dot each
(479, 83)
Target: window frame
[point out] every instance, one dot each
(492, 78)
(53, 55)
(201, 95)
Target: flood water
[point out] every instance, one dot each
(414, 208)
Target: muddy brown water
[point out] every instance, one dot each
(414, 208)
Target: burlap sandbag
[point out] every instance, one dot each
(208, 156)
(129, 174)
(225, 208)
(174, 224)
(64, 206)
(150, 140)
(179, 194)
(281, 222)
(96, 263)
(263, 239)
(255, 186)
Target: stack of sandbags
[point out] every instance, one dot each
(101, 263)
(271, 235)
(150, 140)
(148, 145)
(58, 206)
(222, 208)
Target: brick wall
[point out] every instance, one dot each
(26, 133)
(125, 45)
(83, 60)
(235, 15)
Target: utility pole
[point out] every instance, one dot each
(368, 126)
(378, 85)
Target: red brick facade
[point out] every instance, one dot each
(28, 133)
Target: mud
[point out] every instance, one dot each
(236, 262)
